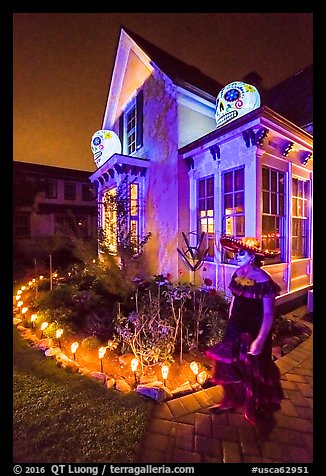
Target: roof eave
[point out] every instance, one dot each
(194, 89)
(262, 112)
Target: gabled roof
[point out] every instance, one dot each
(179, 72)
(292, 98)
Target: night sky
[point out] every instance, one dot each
(63, 64)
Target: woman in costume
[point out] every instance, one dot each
(243, 359)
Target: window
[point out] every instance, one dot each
(134, 213)
(110, 220)
(82, 225)
(131, 125)
(70, 191)
(50, 187)
(131, 130)
(205, 209)
(233, 203)
(273, 210)
(122, 224)
(22, 227)
(87, 192)
(300, 194)
(65, 224)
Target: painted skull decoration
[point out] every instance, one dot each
(104, 144)
(235, 100)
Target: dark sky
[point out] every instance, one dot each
(63, 64)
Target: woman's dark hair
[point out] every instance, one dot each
(258, 261)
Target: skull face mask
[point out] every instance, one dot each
(104, 144)
(235, 100)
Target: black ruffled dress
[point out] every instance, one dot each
(257, 378)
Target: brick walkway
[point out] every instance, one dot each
(184, 431)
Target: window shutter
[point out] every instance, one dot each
(139, 125)
(121, 130)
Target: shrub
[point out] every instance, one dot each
(62, 317)
(59, 297)
(170, 317)
(91, 342)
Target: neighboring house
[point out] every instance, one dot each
(249, 177)
(47, 202)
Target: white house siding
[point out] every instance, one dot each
(193, 124)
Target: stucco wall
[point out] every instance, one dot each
(161, 189)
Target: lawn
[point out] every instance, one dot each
(61, 417)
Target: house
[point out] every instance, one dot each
(47, 200)
(186, 171)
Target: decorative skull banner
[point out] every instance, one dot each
(104, 144)
(235, 100)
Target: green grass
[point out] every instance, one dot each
(65, 417)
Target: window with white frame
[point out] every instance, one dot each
(300, 221)
(131, 129)
(131, 125)
(205, 207)
(233, 202)
(273, 217)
